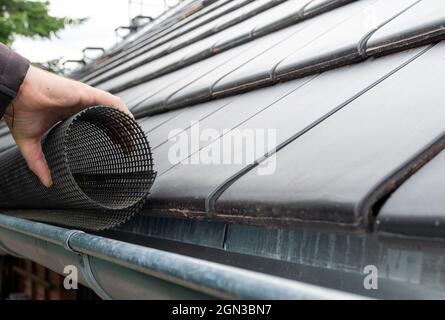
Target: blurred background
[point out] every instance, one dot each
(87, 23)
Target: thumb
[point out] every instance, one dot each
(94, 96)
(33, 154)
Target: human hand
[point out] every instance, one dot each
(45, 99)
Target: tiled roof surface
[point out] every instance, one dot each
(352, 88)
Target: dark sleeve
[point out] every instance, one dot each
(13, 69)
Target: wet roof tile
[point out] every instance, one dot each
(347, 137)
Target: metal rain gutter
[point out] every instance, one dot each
(120, 270)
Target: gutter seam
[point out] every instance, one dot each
(68, 238)
(84, 262)
(88, 274)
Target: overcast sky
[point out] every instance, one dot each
(98, 31)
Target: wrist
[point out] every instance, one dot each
(15, 68)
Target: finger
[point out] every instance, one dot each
(33, 154)
(100, 97)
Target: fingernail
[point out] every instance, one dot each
(46, 181)
(49, 183)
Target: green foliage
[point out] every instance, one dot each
(29, 19)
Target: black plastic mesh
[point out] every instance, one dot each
(102, 170)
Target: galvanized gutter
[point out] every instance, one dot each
(120, 270)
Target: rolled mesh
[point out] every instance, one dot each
(102, 170)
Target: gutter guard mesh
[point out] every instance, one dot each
(102, 170)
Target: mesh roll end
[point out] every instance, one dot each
(102, 169)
